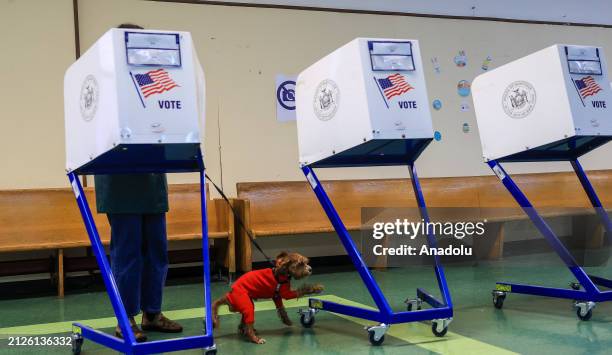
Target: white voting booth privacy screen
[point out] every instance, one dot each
(131, 89)
(553, 100)
(370, 93)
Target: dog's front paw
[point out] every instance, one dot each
(317, 288)
(310, 289)
(282, 314)
(259, 340)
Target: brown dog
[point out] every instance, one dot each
(271, 283)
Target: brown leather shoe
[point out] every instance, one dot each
(138, 333)
(159, 323)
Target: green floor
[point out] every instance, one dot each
(528, 325)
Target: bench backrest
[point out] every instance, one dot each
(37, 219)
(561, 190)
(287, 206)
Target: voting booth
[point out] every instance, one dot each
(134, 103)
(552, 105)
(135, 100)
(366, 104)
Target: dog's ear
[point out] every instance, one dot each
(282, 261)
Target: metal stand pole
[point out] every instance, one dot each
(441, 313)
(585, 300)
(129, 345)
(100, 254)
(431, 239)
(205, 257)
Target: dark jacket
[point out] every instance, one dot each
(132, 193)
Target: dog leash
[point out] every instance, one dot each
(240, 221)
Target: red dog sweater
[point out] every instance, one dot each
(258, 284)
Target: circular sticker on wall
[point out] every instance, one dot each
(463, 88)
(437, 104)
(90, 95)
(437, 136)
(519, 99)
(326, 100)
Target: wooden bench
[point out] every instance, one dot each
(49, 219)
(553, 195)
(287, 208)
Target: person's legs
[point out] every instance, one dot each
(155, 269)
(155, 263)
(126, 258)
(126, 264)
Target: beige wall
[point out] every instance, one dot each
(37, 45)
(242, 49)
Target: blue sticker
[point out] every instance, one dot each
(463, 88)
(437, 104)
(437, 136)
(466, 127)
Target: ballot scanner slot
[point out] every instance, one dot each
(583, 60)
(153, 49)
(391, 56)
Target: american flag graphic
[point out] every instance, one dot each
(587, 86)
(394, 85)
(155, 82)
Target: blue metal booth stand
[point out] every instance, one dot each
(379, 153)
(141, 158)
(585, 292)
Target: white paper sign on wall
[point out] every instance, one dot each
(285, 98)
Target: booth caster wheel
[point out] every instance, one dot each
(498, 299)
(373, 340)
(416, 303)
(586, 316)
(307, 317)
(584, 310)
(376, 334)
(77, 343)
(307, 322)
(439, 327)
(211, 350)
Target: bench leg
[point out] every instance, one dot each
(243, 250)
(589, 240)
(490, 246)
(60, 273)
(231, 245)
